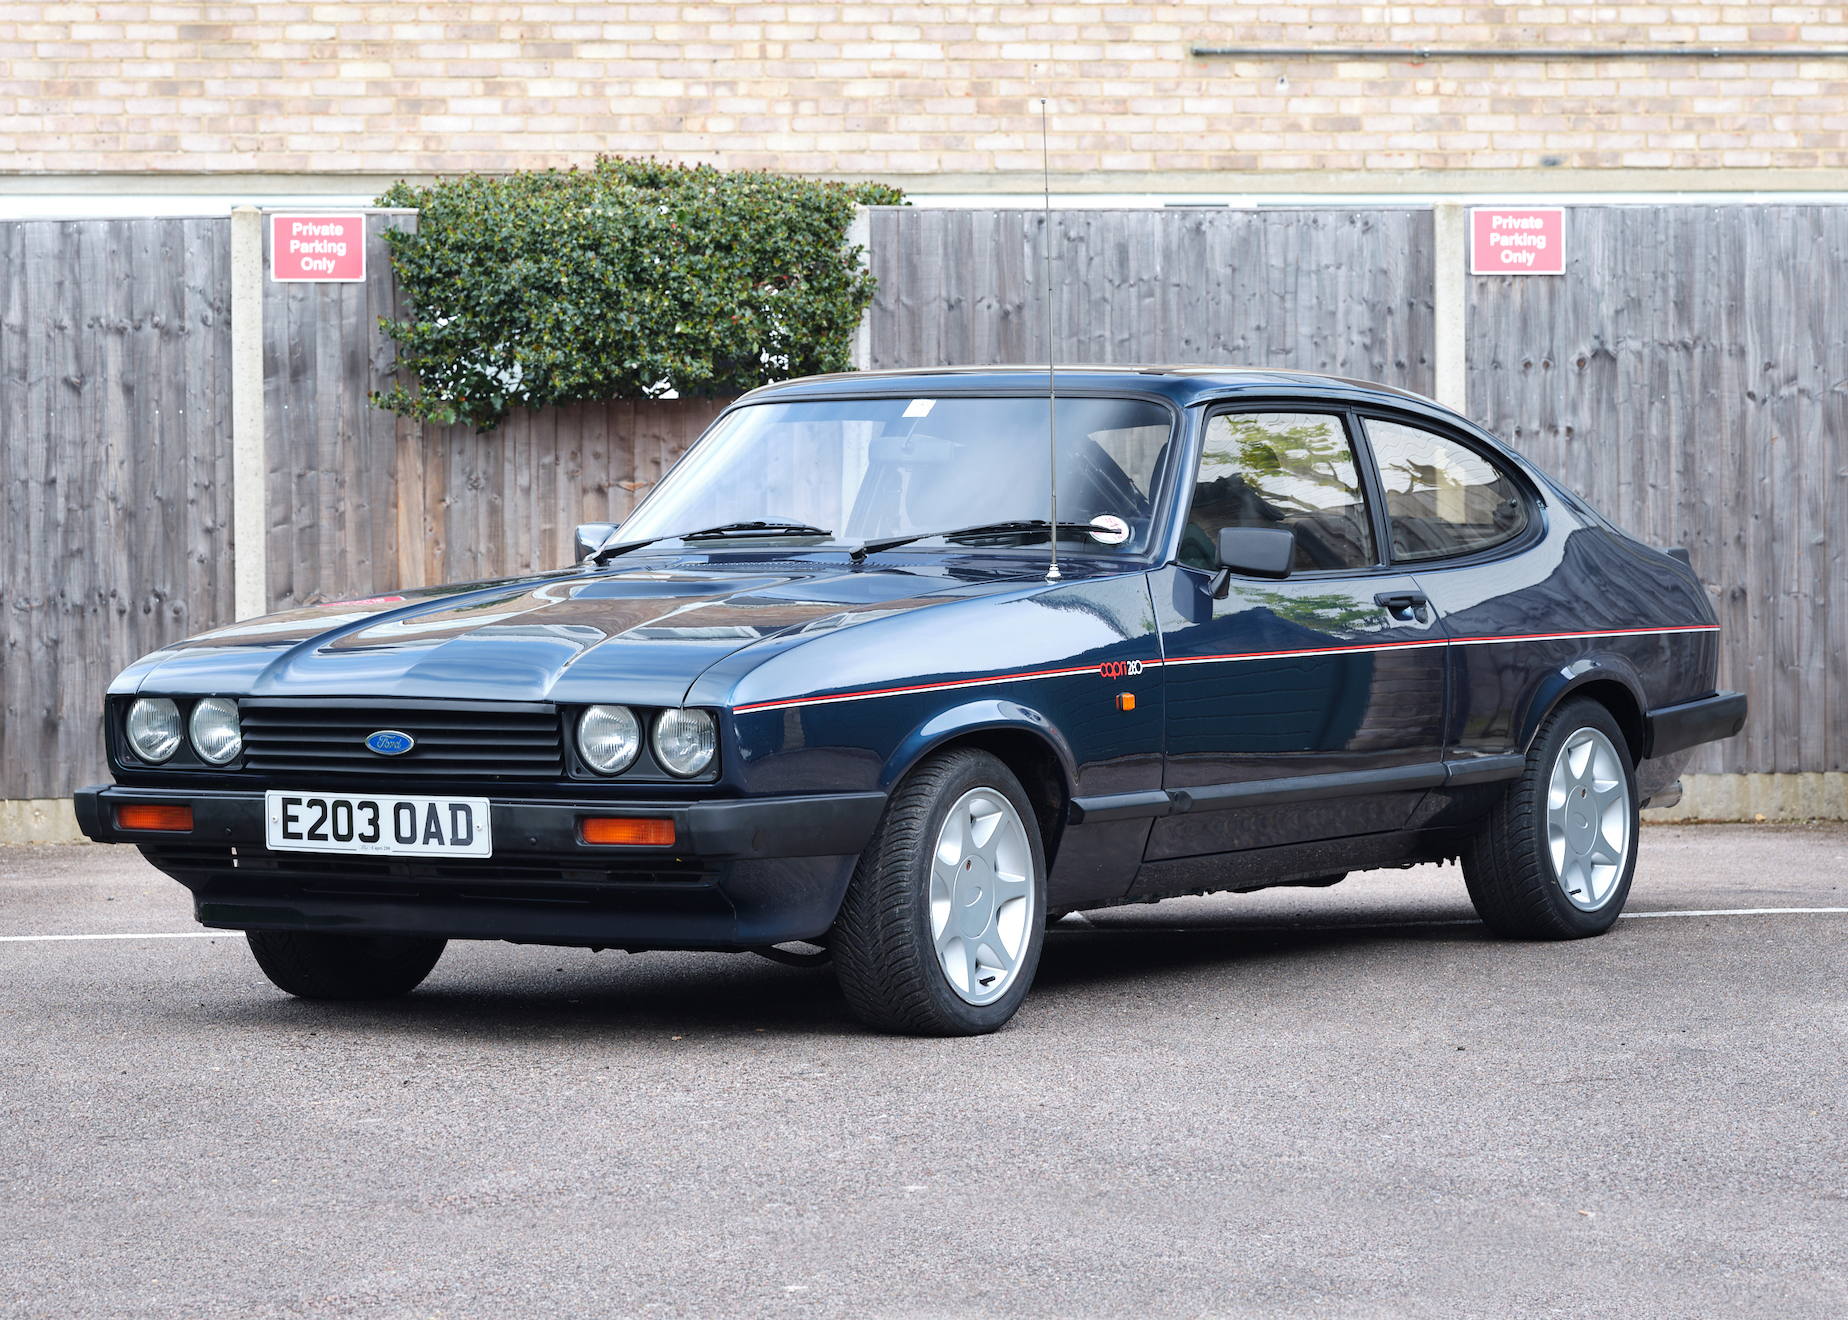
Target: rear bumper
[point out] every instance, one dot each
(742, 874)
(1671, 729)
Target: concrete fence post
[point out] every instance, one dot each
(1449, 293)
(860, 234)
(249, 525)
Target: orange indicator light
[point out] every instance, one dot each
(1126, 701)
(635, 832)
(146, 816)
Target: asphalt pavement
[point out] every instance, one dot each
(1343, 1102)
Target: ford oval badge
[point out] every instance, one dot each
(389, 742)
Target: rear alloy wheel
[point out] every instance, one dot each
(1555, 857)
(941, 930)
(317, 965)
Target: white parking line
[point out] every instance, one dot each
(157, 935)
(1069, 925)
(1734, 912)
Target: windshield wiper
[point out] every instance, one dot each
(756, 527)
(865, 548)
(761, 527)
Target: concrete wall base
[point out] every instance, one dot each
(38, 820)
(1704, 797)
(1814, 796)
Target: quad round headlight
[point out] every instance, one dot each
(609, 738)
(154, 728)
(216, 735)
(684, 741)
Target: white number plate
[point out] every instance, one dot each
(380, 823)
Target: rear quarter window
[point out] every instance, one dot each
(1443, 499)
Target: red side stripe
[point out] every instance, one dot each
(1229, 657)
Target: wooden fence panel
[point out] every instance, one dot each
(334, 462)
(1342, 291)
(507, 501)
(1686, 375)
(115, 444)
(1689, 376)
(362, 501)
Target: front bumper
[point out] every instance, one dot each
(817, 825)
(742, 873)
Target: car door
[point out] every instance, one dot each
(1454, 516)
(1306, 708)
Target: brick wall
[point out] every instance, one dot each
(896, 90)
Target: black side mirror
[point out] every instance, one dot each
(1265, 552)
(590, 538)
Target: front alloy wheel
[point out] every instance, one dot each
(981, 895)
(941, 929)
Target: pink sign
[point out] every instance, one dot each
(1517, 241)
(318, 247)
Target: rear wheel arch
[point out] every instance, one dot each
(1609, 690)
(1624, 708)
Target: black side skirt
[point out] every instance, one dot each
(1156, 803)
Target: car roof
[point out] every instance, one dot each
(1183, 384)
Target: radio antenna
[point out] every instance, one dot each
(1052, 374)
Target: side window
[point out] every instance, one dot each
(1289, 470)
(1441, 498)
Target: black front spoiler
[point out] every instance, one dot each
(821, 825)
(741, 874)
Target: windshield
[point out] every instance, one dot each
(864, 469)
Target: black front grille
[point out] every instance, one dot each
(453, 740)
(534, 877)
(476, 876)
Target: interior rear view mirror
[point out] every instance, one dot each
(910, 450)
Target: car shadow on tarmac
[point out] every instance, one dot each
(1075, 957)
(487, 992)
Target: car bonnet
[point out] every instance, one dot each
(639, 633)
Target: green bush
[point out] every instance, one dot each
(622, 281)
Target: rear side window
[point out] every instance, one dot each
(1288, 470)
(1442, 499)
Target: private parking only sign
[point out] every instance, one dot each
(314, 248)
(1517, 240)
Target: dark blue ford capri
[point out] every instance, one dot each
(850, 678)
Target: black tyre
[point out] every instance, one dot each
(312, 965)
(1554, 859)
(941, 931)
